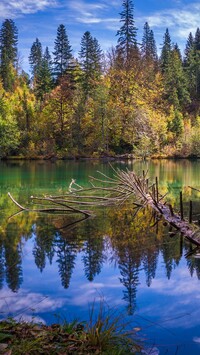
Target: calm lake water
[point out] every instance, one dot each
(53, 267)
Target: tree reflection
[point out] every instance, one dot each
(135, 244)
(66, 256)
(93, 251)
(2, 266)
(44, 242)
(13, 265)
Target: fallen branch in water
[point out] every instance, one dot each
(126, 184)
(65, 208)
(116, 190)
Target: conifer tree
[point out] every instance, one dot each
(175, 82)
(148, 48)
(8, 52)
(166, 51)
(35, 56)
(189, 46)
(62, 52)
(43, 82)
(192, 63)
(197, 40)
(90, 59)
(127, 33)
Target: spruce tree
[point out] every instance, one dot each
(148, 48)
(189, 46)
(192, 65)
(97, 58)
(166, 51)
(127, 33)
(8, 52)
(35, 57)
(90, 59)
(62, 52)
(197, 40)
(43, 80)
(175, 81)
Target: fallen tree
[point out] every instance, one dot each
(106, 191)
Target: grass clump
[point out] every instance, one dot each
(103, 334)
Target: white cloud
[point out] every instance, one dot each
(89, 13)
(24, 302)
(84, 8)
(179, 20)
(11, 8)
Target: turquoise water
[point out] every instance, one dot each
(53, 267)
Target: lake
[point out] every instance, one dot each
(55, 267)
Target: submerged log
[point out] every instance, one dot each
(116, 190)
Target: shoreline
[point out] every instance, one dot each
(98, 158)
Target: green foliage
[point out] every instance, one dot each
(106, 335)
(175, 124)
(35, 56)
(127, 33)
(8, 53)
(90, 60)
(62, 52)
(148, 48)
(166, 51)
(135, 104)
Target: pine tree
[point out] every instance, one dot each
(127, 33)
(62, 52)
(189, 46)
(175, 81)
(90, 59)
(43, 80)
(152, 45)
(8, 52)
(35, 56)
(97, 58)
(148, 48)
(47, 57)
(192, 64)
(197, 40)
(166, 51)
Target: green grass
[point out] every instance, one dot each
(105, 333)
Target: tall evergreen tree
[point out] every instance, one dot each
(35, 56)
(175, 81)
(197, 39)
(189, 46)
(166, 51)
(192, 64)
(90, 59)
(8, 52)
(62, 52)
(97, 57)
(148, 48)
(43, 80)
(127, 32)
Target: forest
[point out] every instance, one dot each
(129, 101)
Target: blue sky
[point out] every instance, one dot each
(40, 18)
